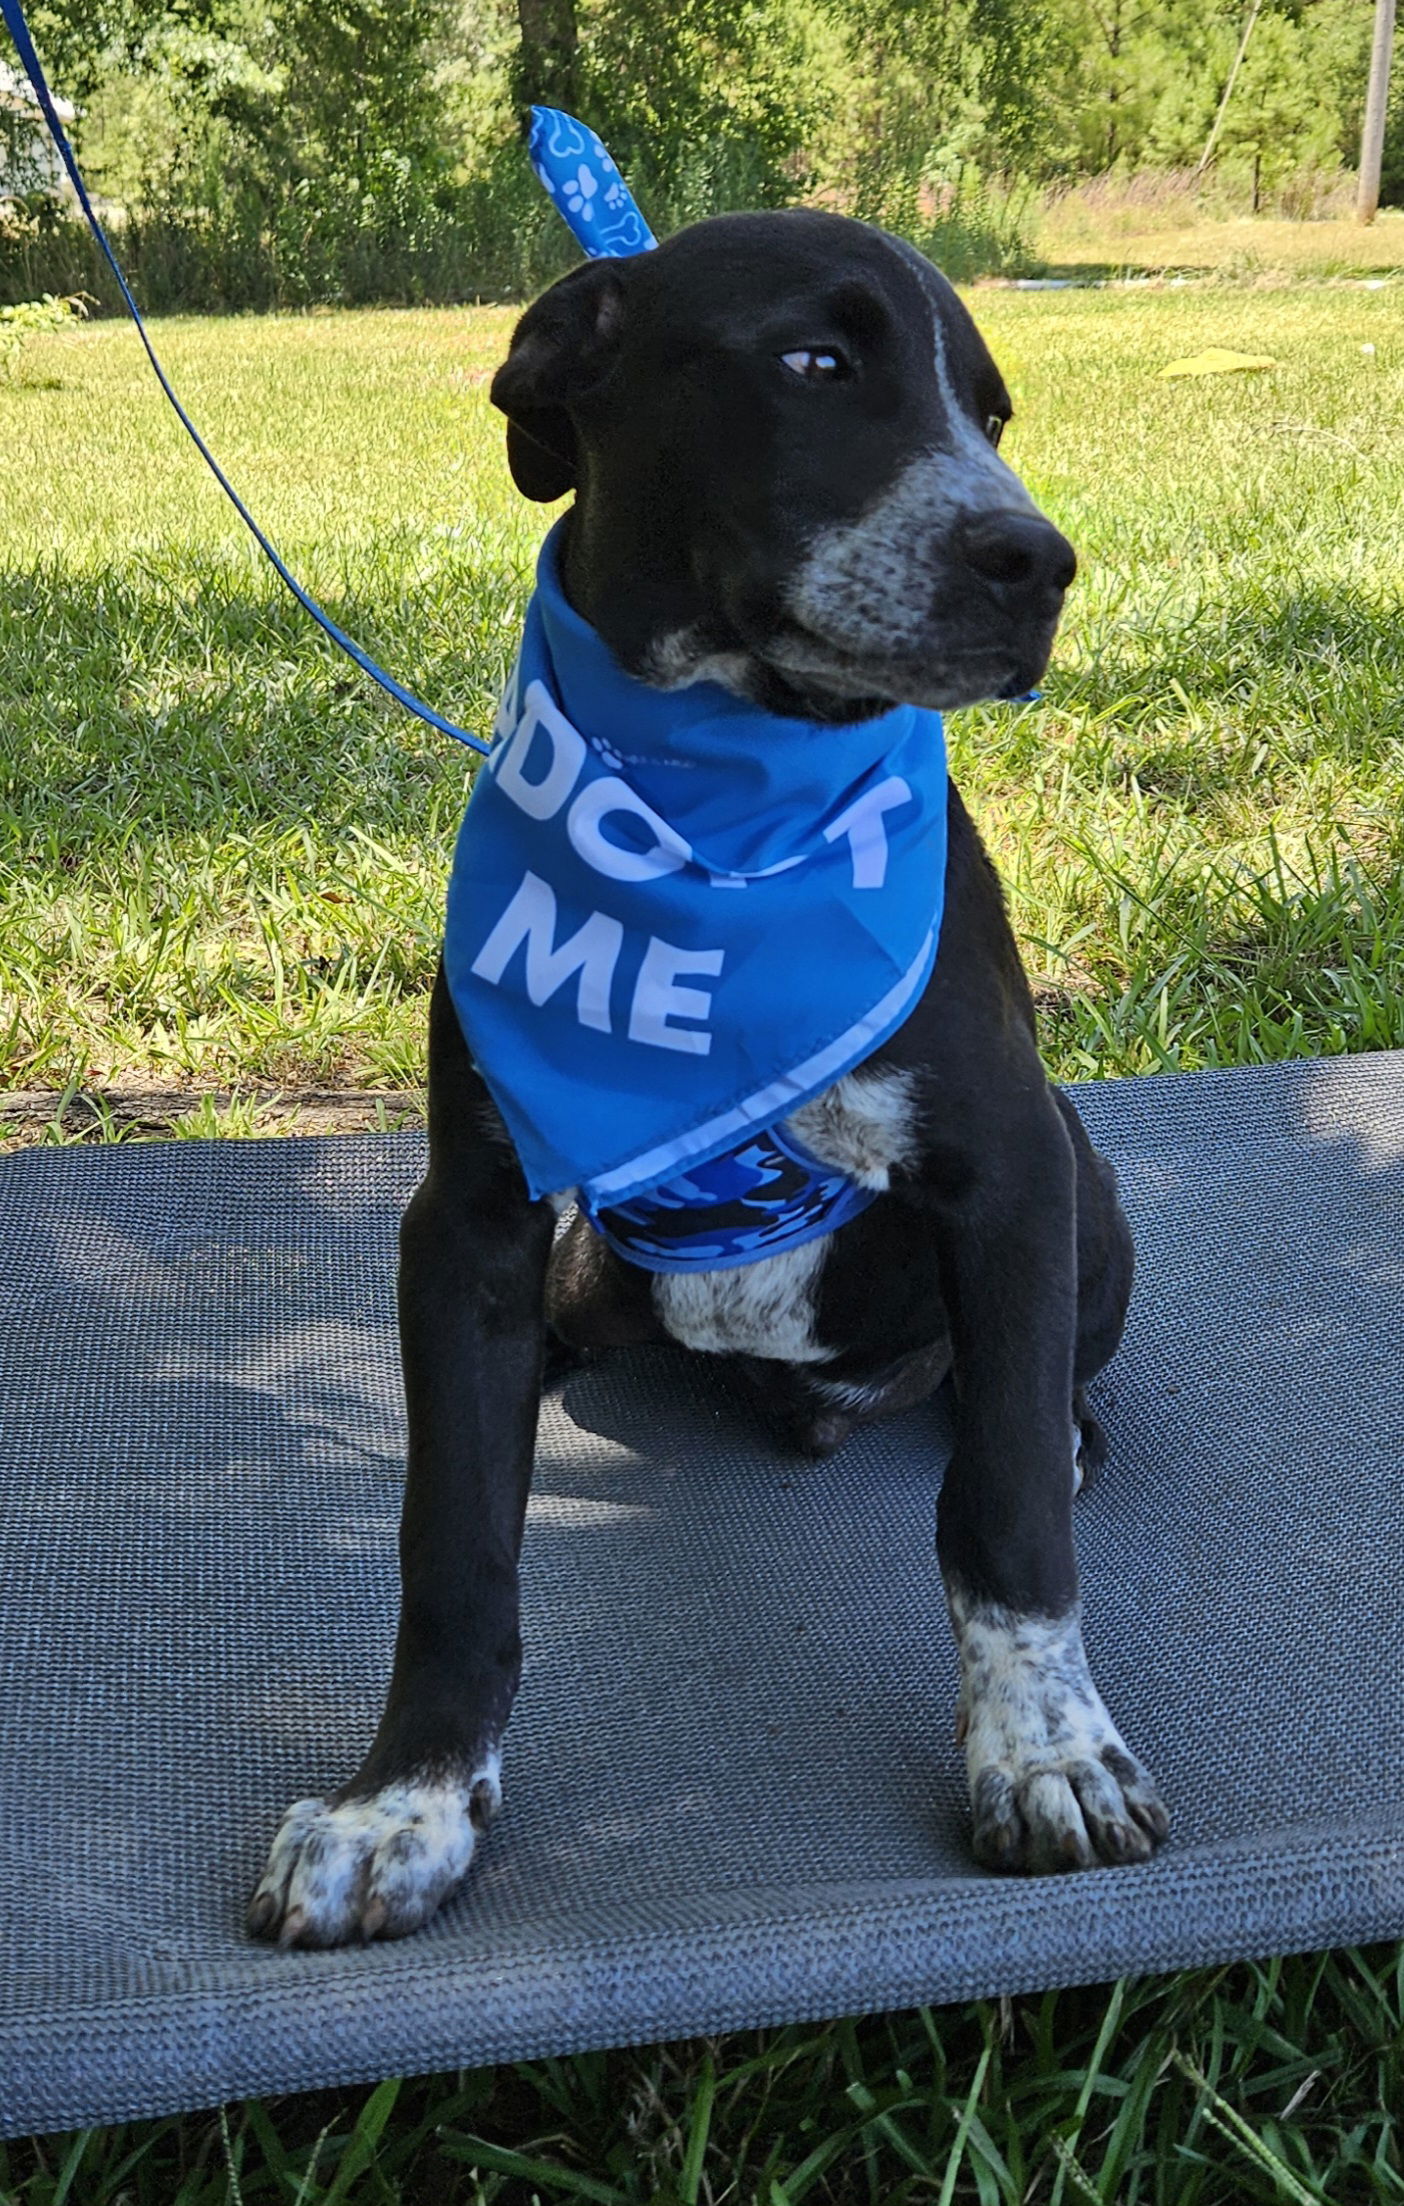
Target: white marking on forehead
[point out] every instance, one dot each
(990, 481)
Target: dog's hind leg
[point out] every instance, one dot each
(1053, 1784)
(376, 1858)
(1106, 1261)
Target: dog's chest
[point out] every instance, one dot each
(865, 1126)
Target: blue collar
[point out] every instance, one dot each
(768, 1194)
(673, 918)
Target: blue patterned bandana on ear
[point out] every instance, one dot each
(673, 917)
(587, 189)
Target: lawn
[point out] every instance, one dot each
(1157, 225)
(223, 862)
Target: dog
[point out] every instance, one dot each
(781, 431)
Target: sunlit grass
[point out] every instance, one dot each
(223, 850)
(1151, 224)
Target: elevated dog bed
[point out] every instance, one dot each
(734, 1795)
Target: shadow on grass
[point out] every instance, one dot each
(170, 692)
(1086, 275)
(1308, 672)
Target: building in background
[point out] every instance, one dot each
(29, 160)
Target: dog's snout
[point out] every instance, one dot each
(1021, 550)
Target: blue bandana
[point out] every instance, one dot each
(673, 917)
(769, 1193)
(585, 186)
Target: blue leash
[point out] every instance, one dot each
(18, 29)
(574, 168)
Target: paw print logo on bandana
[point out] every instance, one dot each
(579, 191)
(589, 193)
(608, 754)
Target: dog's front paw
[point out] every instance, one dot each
(373, 1867)
(1053, 1784)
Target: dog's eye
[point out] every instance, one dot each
(826, 366)
(994, 428)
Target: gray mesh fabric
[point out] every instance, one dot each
(733, 1792)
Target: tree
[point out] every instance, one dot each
(547, 67)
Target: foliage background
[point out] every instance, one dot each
(261, 153)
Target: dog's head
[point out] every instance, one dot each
(781, 431)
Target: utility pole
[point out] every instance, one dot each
(1367, 197)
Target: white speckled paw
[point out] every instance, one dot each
(1053, 1784)
(371, 1868)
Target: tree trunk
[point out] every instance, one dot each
(548, 60)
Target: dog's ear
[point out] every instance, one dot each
(562, 347)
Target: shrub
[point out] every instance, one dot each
(33, 318)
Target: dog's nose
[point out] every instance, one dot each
(1019, 549)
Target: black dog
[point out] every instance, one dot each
(781, 434)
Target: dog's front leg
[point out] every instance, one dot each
(1052, 1783)
(376, 1858)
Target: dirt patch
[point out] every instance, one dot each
(30, 1116)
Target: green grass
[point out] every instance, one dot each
(223, 863)
(222, 850)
